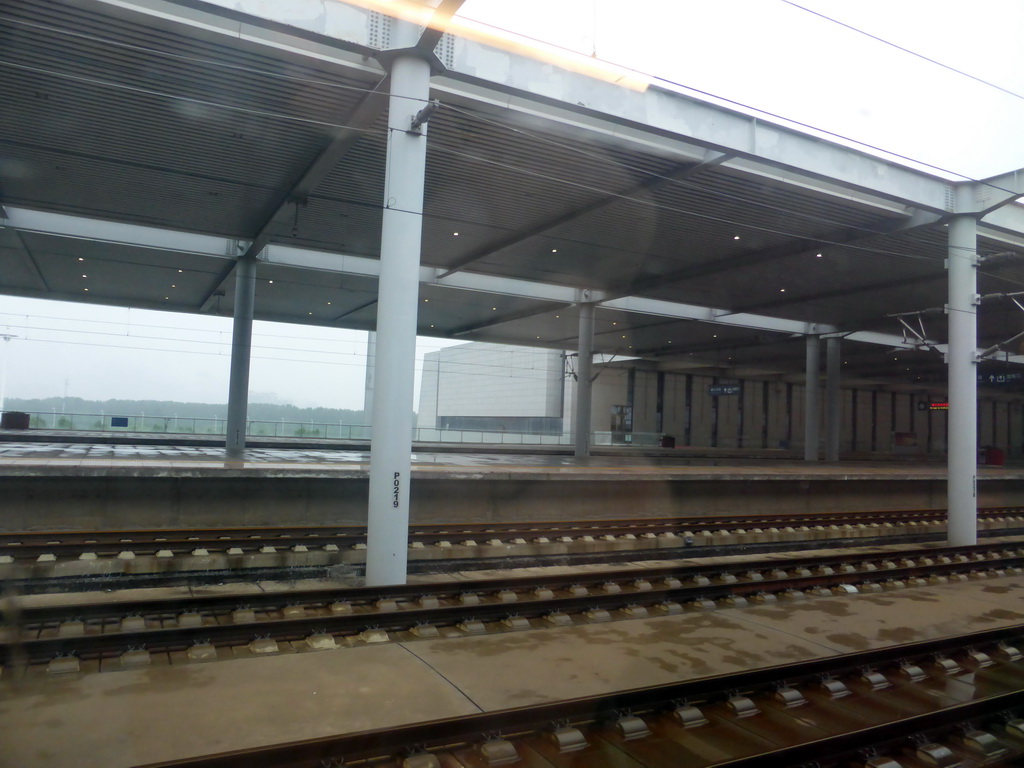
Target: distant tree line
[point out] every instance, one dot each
(170, 409)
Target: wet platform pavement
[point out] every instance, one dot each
(128, 717)
(60, 458)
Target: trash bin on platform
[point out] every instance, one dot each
(995, 457)
(14, 420)
(667, 441)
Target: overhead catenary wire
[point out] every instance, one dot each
(503, 375)
(898, 47)
(358, 355)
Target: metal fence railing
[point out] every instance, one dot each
(192, 425)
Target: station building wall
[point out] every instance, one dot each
(492, 387)
(481, 381)
(770, 414)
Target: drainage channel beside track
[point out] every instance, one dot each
(955, 702)
(128, 633)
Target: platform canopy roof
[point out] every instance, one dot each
(147, 144)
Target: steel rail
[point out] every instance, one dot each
(468, 729)
(838, 746)
(366, 595)
(292, 629)
(23, 544)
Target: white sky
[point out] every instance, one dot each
(762, 53)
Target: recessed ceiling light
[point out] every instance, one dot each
(554, 250)
(782, 290)
(85, 289)
(557, 316)
(670, 341)
(818, 256)
(623, 337)
(180, 271)
(84, 275)
(431, 325)
(714, 335)
(270, 281)
(614, 323)
(80, 258)
(311, 313)
(173, 286)
(494, 309)
(455, 234)
(167, 298)
(735, 237)
(328, 303)
(426, 299)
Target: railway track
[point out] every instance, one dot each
(127, 632)
(949, 703)
(24, 546)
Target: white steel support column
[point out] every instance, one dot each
(371, 357)
(832, 405)
(584, 382)
(812, 407)
(397, 307)
(962, 438)
(241, 349)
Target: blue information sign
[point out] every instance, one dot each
(715, 390)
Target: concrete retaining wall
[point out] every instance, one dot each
(93, 503)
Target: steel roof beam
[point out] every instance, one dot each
(679, 173)
(507, 317)
(582, 102)
(639, 305)
(840, 292)
(653, 117)
(360, 119)
(77, 227)
(468, 281)
(12, 240)
(432, 35)
(1005, 224)
(141, 235)
(838, 237)
(995, 192)
(657, 119)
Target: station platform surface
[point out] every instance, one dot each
(140, 460)
(54, 485)
(167, 711)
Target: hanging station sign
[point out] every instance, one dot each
(717, 390)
